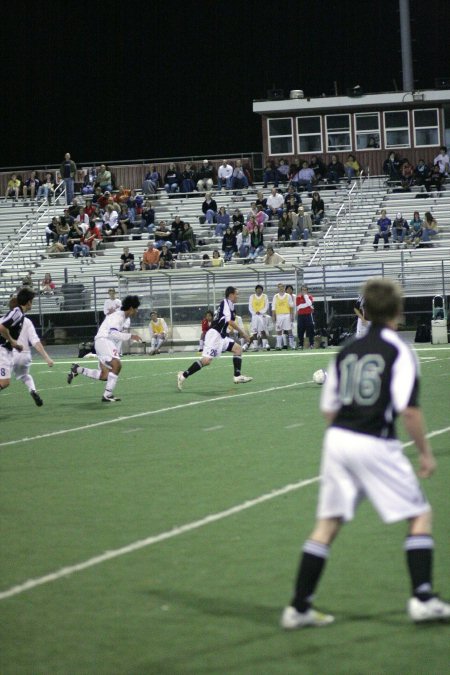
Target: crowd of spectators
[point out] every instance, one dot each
(402, 175)
(418, 232)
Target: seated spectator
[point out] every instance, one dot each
(51, 235)
(430, 229)
(303, 178)
(270, 173)
(188, 179)
(162, 235)
(82, 219)
(166, 260)
(148, 218)
(92, 237)
(152, 181)
(90, 209)
(391, 167)
(240, 179)
(407, 175)
(81, 249)
(217, 260)
(62, 230)
(158, 332)
(442, 160)
(89, 180)
(384, 230)
(124, 220)
(284, 227)
(225, 176)
(237, 217)
(422, 175)
(229, 244)
(256, 244)
(437, 178)
(260, 199)
(31, 186)
(292, 194)
(150, 259)
(176, 227)
(243, 241)
(301, 229)
(372, 142)
(110, 221)
(75, 234)
(400, 229)
(415, 230)
(222, 222)
(317, 208)
(205, 176)
(251, 224)
(319, 168)
(104, 179)
(48, 286)
(122, 196)
(273, 259)
(186, 239)
(351, 168)
(209, 208)
(206, 260)
(13, 187)
(261, 216)
(335, 171)
(46, 189)
(275, 203)
(172, 180)
(127, 261)
(292, 208)
(283, 171)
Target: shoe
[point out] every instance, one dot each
(36, 398)
(72, 372)
(110, 399)
(180, 379)
(285, 346)
(245, 347)
(278, 349)
(434, 609)
(241, 379)
(300, 347)
(267, 349)
(292, 619)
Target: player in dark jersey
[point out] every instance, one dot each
(374, 379)
(218, 341)
(10, 327)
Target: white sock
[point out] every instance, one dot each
(110, 384)
(200, 345)
(153, 343)
(89, 372)
(265, 343)
(279, 340)
(28, 382)
(291, 341)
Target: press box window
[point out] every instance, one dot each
(309, 134)
(367, 127)
(426, 127)
(338, 133)
(396, 129)
(280, 136)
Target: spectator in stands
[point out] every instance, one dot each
(122, 195)
(222, 222)
(82, 219)
(48, 286)
(92, 238)
(304, 178)
(89, 180)
(372, 142)
(319, 168)
(172, 179)
(63, 230)
(81, 249)
(13, 187)
(150, 259)
(206, 260)
(400, 229)
(31, 185)
(301, 230)
(209, 208)
(284, 227)
(75, 234)
(176, 227)
(166, 260)
(229, 244)
(415, 229)
(261, 216)
(152, 181)
(104, 179)
(384, 230)
(243, 241)
(68, 170)
(186, 239)
(275, 203)
(240, 177)
(422, 175)
(335, 171)
(127, 261)
(293, 209)
(437, 178)
(237, 217)
(217, 260)
(110, 221)
(391, 167)
(407, 175)
(273, 259)
(317, 208)
(124, 220)
(430, 229)
(351, 167)
(270, 173)
(225, 176)
(51, 235)
(256, 244)
(90, 209)
(46, 190)
(291, 193)
(260, 199)
(251, 224)
(135, 205)
(162, 235)
(205, 176)
(188, 178)
(148, 218)
(283, 171)
(442, 160)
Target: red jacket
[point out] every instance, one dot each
(308, 301)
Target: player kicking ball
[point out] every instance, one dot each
(217, 340)
(107, 346)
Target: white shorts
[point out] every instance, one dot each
(21, 363)
(106, 350)
(259, 324)
(357, 466)
(6, 363)
(215, 344)
(361, 328)
(283, 322)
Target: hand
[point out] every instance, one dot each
(16, 345)
(136, 338)
(50, 363)
(427, 465)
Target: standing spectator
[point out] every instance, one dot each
(335, 171)
(172, 179)
(112, 302)
(317, 208)
(150, 259)
(209, 208)
(384, 230)
(127, 261)
(31, 185)
(351, 168)
(229, 245)
(442, 160)
(104, 179)
(205, 176)
(305, 317)
(13, 187)
(46, 189)
(224, 176)
(68, 171)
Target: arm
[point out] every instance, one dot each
(40, 349)
(6, 334)
(235, 326)
(415, 427)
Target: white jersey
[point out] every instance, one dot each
(113, 327)
(111, 306)
(28, 336)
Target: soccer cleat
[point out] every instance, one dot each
(241, 379)
(36, 398)
(73, 372)
(180, 379)
(433, 609)
(292, 618)
(110, 399)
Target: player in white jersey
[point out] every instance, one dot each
(10, 326)
(362, 324)
(109, 335)
(22, 359)
(258, 305)
(373, 380)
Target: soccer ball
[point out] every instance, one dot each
(319, 376)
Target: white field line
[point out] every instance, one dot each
(146, 413)
(216, 428)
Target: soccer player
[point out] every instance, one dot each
(217, 341)
(305, 317)
(109, 336)
(282, 310)
(373, 379)
(362, 324)
(258, 305)
(10, 326)
(158, 332)
(112, 302)
(206, 325)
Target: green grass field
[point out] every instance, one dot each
(160, 534)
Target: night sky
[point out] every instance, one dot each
(171, 79)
